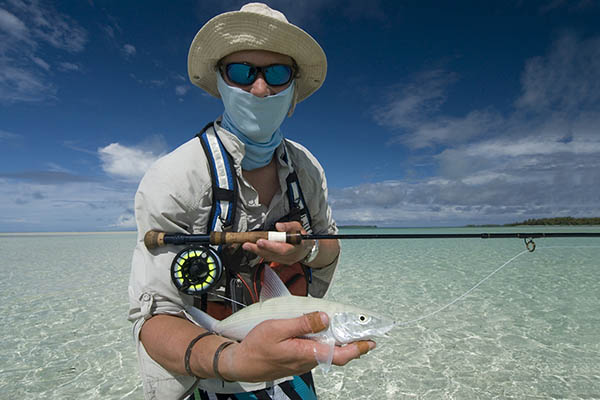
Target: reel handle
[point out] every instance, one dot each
(155, 239)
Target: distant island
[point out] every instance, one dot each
(357, 226)
(550, 221)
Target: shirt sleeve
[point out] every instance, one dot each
(314, 187)
(324, 223)
(170, 200)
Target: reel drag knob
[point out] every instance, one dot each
(195, 270)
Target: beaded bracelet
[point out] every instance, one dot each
(221, 347)
(188, 352)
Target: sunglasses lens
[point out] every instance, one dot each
(245, 74)
(278, 74)
(241, 74)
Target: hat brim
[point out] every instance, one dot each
(239, 30)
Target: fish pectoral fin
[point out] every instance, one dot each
(324, 351)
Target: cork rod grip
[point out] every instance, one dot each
(242, 237)
(154, 239)
(236, 237)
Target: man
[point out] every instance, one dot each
(260, 65)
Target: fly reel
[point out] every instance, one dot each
(196, 269)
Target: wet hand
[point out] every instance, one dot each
(283, 253)
(273, 350)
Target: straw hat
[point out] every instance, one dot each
(255, 27)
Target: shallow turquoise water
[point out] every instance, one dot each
(530, 331)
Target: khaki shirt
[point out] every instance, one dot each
(175, 195)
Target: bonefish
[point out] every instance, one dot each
(346, 323)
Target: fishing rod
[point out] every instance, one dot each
(198, 268)
(155, 239)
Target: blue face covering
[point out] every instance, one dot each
(255, 121)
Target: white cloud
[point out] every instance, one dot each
(409, 104)
(110, 31)
(129, 50)
(67, 66)
(41, 63)
(125, 162)
(181, 90)
(26, 29)
(72, 205)
(54, 167)
(567, 79)
(59, 199)
(12, 25)
(126, 221)
(4, 135)
(562, 87)
(131, 162)
(47, 24)
(541, 159)
(153, 83)
(23, 84)
(527, 148)
(484, 191)
(445, 129)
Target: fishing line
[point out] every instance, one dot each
(228, 299)
(431, 314)
(570, 247)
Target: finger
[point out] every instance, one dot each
(344, 354)
(296, 327)
(318, 321)
(270, 253)
(274, 247)
(292, 226)
(252, 247)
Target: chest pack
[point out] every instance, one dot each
(243, 271)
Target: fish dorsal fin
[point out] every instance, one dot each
(272, 286)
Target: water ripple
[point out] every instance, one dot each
(531, 331)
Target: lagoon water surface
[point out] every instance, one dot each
(531, 331)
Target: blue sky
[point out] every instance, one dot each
(432, 113)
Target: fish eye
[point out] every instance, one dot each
(363, 319)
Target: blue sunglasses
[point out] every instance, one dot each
(244, 74)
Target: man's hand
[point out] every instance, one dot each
(283, 253)
(274, 350)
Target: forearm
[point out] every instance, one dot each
(329, 249)
(166, 338)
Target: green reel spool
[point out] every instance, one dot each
(195, 270)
